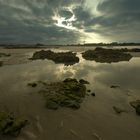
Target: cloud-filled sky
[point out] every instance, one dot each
(69, 21)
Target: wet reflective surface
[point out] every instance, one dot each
(95, 119)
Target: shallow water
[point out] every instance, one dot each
(95, 120)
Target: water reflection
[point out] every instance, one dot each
(96, 114)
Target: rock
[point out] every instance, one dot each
(67, 58)
(136, 105)
(82, 81)
(52, 105)
(1, 63)
(68, 93)
(93, 94)
(70, 80)
(32, 84)
(118, 110)
(138, 110)
(113, 86)
(89, 90)
(106, 55)
(9, 125)
(4, 55)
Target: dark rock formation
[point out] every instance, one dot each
(106, 55)
(67, 58)
(9, 125)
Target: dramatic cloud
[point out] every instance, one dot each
(69, 21)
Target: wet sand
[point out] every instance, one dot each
(95, 120)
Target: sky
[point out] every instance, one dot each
(69, 21)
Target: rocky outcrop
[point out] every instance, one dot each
(68, 93)
(106, 55)
(67, 58)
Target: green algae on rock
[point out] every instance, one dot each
(106, 55)
(68, 93)
(10, 125)
(67, 58)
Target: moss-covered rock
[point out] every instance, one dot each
(9, 125)
(67, 58)
(106, 55)
(67, 93)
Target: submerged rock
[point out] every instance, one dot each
(106, 55)
(68, 93)
(136, 105)
(67, 58)
(9, 125)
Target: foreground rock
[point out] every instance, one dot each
(106, 55)
(136, 105)
(68, 58)
(9, 125)
(68, 93)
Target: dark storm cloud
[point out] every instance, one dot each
(31, 21)
(27, 21)
(118, 20)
